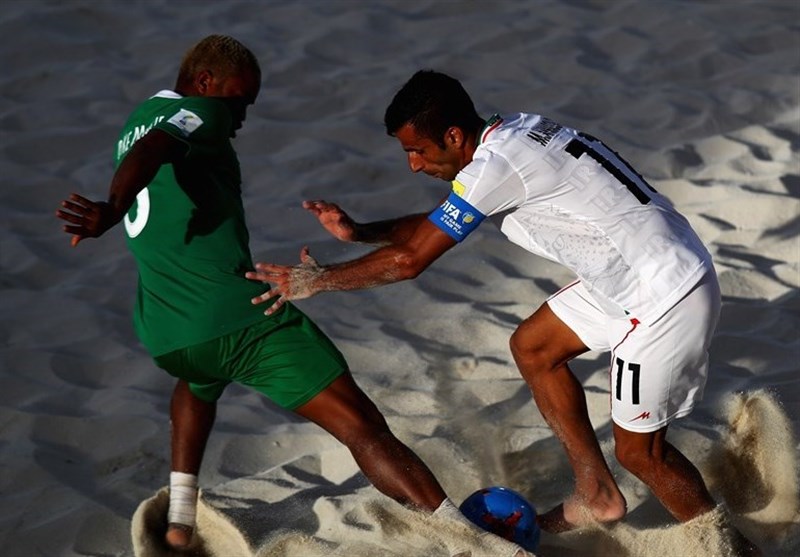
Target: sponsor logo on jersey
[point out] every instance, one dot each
(186, 121)
(456, 217)
(643, 416)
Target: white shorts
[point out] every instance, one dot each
(657, 373)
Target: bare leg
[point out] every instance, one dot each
(671, 477)
(192, 420)
(349, 415)
(541, 346)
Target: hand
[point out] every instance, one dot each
(88, 219)
(333, 219)
(290, 283)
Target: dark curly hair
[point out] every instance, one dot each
(432, 102)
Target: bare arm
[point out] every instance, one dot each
(385, 265)
(341, 226)
(91, 219)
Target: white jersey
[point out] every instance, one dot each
(565, 196)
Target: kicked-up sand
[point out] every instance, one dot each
(703, 98)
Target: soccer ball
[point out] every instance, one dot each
(504, 512)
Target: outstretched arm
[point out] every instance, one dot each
(91, 219)
(341, 226)
(385, 265)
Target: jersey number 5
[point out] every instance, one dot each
(614, 166)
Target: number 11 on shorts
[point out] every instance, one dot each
(634, 370)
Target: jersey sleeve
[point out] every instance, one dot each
(490, 184)
(486, 186)
(199, 122)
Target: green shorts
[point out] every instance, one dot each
(285, 357)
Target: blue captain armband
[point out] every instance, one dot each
(456, 217)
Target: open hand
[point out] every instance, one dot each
(333, 219)
(87, 219)
(290, 283)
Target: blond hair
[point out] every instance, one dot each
(222, 55)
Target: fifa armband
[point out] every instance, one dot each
(456, 217)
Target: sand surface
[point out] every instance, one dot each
(702, 97)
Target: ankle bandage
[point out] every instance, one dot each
(448, 510)
(182, 498)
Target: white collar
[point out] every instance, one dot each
(167, 94)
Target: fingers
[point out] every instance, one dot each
(70, 217)
(77, 204)
(260, 277)
(263, 297)
(79, 212)
(276, 306)
(289, 283)
(79, 199)
(78, 208)
(268, 271)
(77, 228)
(75, 209)
(273, 294)
(318, 206)
(278, 301)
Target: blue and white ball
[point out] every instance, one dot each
(504, 512)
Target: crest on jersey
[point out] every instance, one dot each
(186, 121)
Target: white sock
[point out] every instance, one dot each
(182, 498)
(447, 509)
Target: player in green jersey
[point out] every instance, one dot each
(177, 188)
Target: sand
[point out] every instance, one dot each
(702, 97)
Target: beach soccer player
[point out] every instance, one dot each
(646, 289)
(177, 188)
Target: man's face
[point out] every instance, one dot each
(238, 91)
(425, 155)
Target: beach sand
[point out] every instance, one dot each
(703, 98)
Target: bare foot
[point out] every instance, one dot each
(179, 536)
(573, 513)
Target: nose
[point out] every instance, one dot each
(415, 162)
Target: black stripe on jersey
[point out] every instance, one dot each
(576, 148)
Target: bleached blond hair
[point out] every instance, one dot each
(224, 56)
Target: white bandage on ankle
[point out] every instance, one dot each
(182, 498)
(448, 510)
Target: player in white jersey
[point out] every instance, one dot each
(646, 290)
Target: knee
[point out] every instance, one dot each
(524, 346)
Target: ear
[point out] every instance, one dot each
(202, 81)
(454, 137)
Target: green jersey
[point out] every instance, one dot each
(187, 229)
